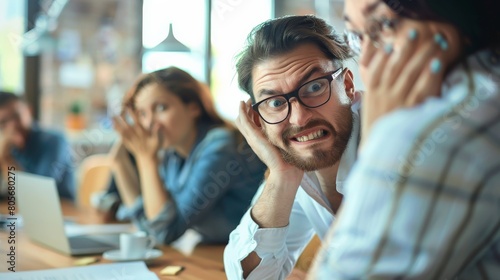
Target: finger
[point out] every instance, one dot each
(412, 70)
(136, 127)
(252, 114)
(125, 109)
(125, 130)
(428, 84)
(253, 117)
(245, 122)
(377, 66)
(119, 124)
(135, 117)
(399, 59)
(242, 121)
(249, 110)
(252, 132)
(367, 54)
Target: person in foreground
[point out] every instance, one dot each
(423, 198)
(25, 146)
(304, 125)
(191, 170)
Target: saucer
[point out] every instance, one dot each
(116, 255)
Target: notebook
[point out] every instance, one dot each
(39, 205)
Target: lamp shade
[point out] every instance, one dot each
(170, 44)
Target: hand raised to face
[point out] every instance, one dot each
(141, 142)
(10, 137)
(248, 123)
(402, 77)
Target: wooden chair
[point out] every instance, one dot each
(307, 257)
(94, 176)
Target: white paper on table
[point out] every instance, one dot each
(114, 271)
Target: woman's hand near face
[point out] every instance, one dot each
(141, 142)
(6, 136)
(400, 77)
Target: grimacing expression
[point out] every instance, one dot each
(309, 138)
(157, 106)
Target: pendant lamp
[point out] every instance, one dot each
(170, 44)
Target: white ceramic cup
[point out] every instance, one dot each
(135, 245)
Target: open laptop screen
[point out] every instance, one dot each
(43, 222)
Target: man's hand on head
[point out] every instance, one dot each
(248, 123)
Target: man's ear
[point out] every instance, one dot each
(349, 84)
(256, 119)
(255, 115)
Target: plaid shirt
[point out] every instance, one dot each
(423, 200)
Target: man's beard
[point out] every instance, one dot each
(320, 158)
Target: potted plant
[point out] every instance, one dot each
(75, 119)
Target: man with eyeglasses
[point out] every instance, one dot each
(304, 124)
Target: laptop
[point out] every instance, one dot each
(40, 208)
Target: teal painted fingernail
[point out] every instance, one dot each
(435, 65)
(388, 48)
(444, 45)
(438, 38)
(441, 41)
(412, 35)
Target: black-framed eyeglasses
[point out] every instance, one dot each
(312, 94)
(375, 27)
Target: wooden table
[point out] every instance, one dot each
(206, 262)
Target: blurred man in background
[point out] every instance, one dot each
(24, 146)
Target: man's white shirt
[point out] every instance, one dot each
(279, 248)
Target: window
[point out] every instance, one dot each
(12, 24)
(232, 21)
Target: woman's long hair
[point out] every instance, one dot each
(477, 20)
(181, 84)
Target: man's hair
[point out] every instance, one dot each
(278, 36)
(7, 97)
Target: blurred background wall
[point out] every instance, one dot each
(74, 59)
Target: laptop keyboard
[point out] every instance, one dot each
(81, 242)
